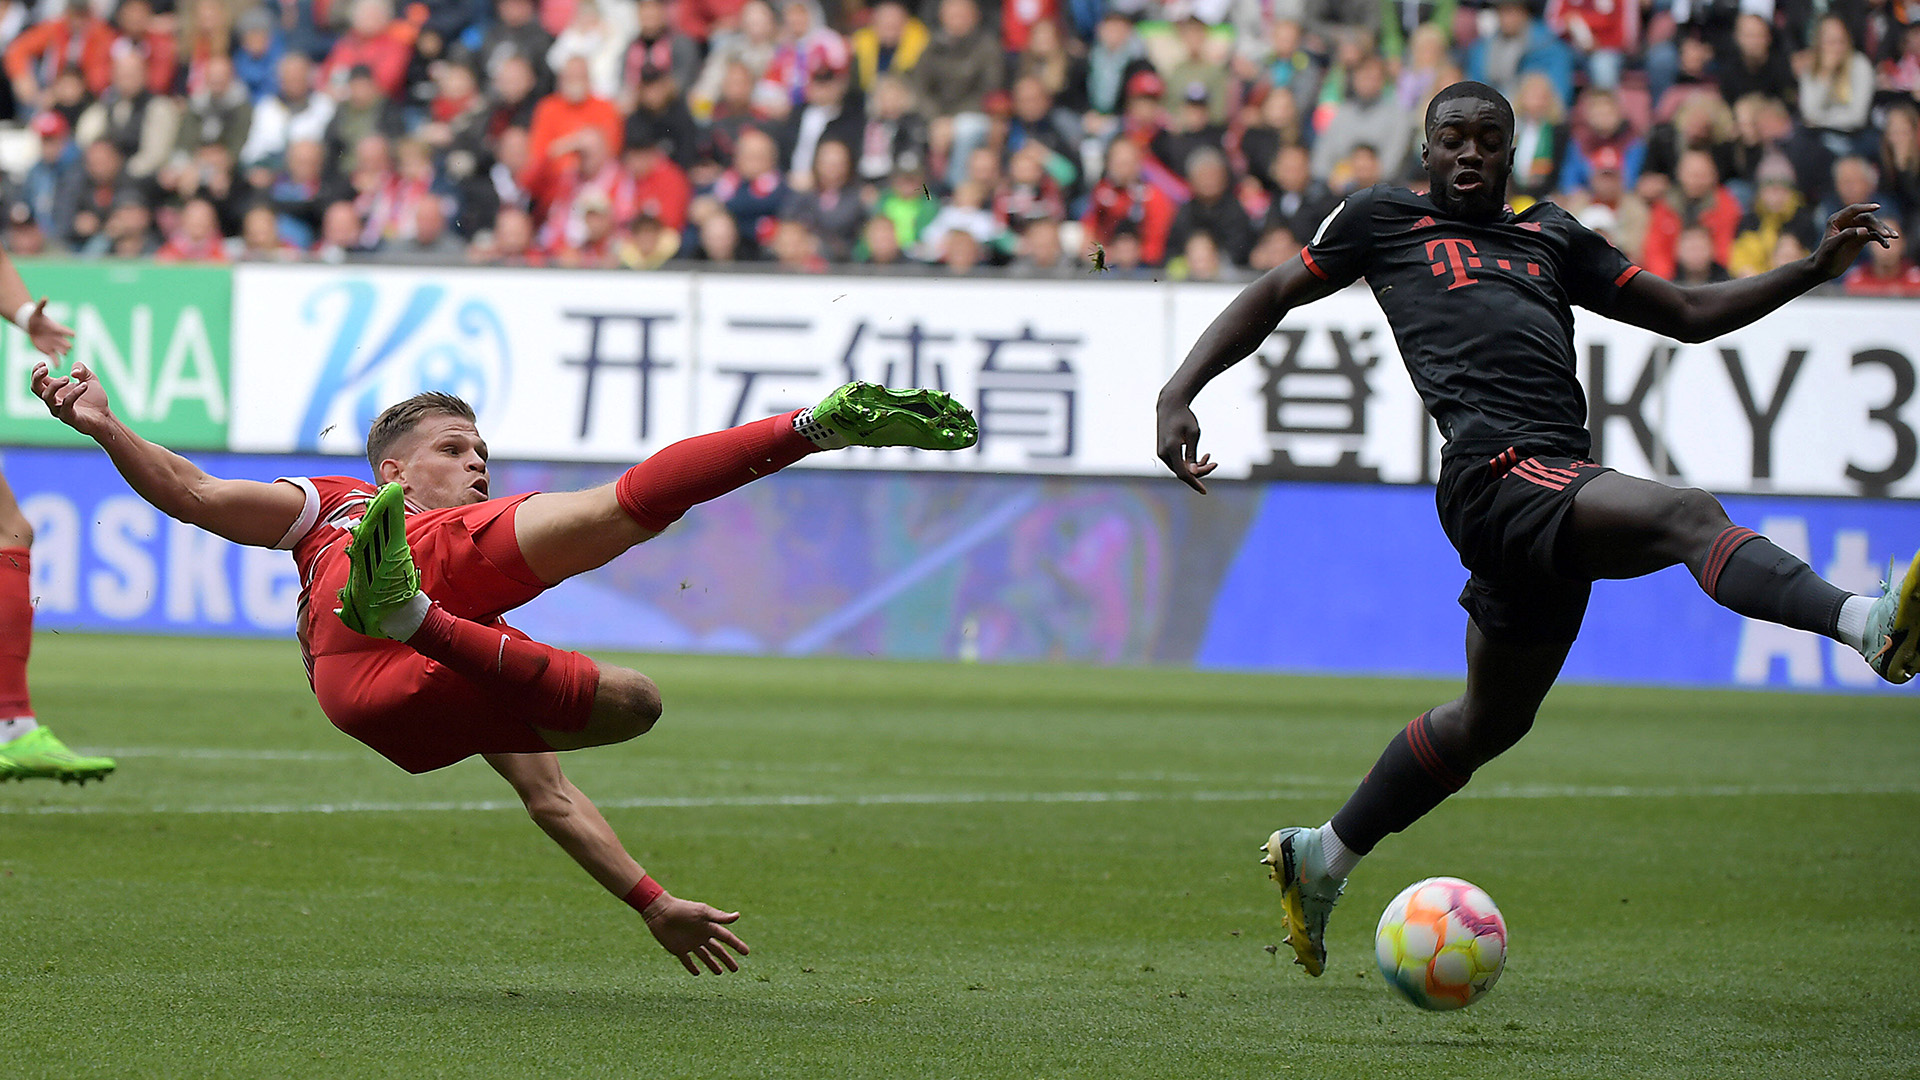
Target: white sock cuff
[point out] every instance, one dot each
(817, 433)
(1340, 859)
(403, 622)
(1852, 626)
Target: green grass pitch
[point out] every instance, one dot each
(948, 871)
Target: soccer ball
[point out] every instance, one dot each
(1441, 943)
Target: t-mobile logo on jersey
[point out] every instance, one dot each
(1457, 254)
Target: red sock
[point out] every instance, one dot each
(562, 682)
(660, 489)
(16, 632)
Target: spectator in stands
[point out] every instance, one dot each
(1762, 126)
(802, 46)
(796, 247)
(1836, 88)
(1199, 259)
(705, 20)
(828, 205)
(294, 112)
(879, 243)
(430, 239)
(649, 244)
(134, 30)
(458, 113)
(1277, 244)
(1856, 180)
(516, 34)
(42, 50)
(1884, 272)
(1039, 250)
(261, 240)
(660, 110)
(220, 111)
(363, 112)
(209, 174)
(555, 137)
(651, 185)
(1192, 130)
(127, 234)
(1540, 139)
(1289, 66)
(660, 48)
(601, 33)
(340, 229)
(1369, 115)
(908, 202)
(826, 117)
(561, 195)
(301, 190)
(1756, 63)
(511, 241)
(1062, 73)
(142, 125)
(961, 252)
(1299, 201)
(1902, 72)
(1602, 32)
(197, 238)
(1694, 261)
(1900, 159)
(1520, 44)
(511, 97)
(1037, 121)
(68, 96)
(257, 52)
(1703, 122)
(1123, 196)
(890, 43)
(1329, 22)
(733, 113)
(1427, 67)
(1200, 74)
(892, 128)
(962, 64)
(1696, 198)
(1212, 210)
(1124, 254)
(58, 160)
(1777, 207)
(374, 40)
(1360, 171)
(1608, 187)
(1278, 125)
(1117, 56)
(752, 191)
(750, 46)
(719, 238)
(1027, 191)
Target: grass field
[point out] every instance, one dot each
(948, 871)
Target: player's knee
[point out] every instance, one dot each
(1694, 516)
(630, 700)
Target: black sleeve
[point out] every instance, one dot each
(1343, 244)
(1595, 268)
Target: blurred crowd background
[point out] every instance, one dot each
(1196, 139)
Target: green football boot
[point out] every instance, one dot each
(380, 571)
(40, 755)
(867, 414)
(1893, 625)
(1296, 861)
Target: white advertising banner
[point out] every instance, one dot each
(1818, 398)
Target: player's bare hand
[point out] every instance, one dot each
(1848, 233)
(76, 399)
(1179, 438)
(694, 932)
(48, 336)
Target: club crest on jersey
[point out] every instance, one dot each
(1457, 255)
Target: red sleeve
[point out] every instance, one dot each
(390, 64)
(32, 40)
(96, 62)
(608, 120)
(163, 56)
(1155, 223)
(1663, 234)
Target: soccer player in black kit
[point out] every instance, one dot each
(1480, 300)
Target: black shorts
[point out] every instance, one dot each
(1504, 516)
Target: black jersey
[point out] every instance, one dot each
(1482, 311)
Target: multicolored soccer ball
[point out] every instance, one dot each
(1441, 943)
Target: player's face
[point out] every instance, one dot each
(1469, 155)
(442, 464)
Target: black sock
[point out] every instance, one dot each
(1750, 574)
(1409, 779)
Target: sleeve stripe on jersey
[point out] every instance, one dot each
(1307, 257)
(309, 513)
(1625, 276)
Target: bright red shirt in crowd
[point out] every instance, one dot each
(1721, 220)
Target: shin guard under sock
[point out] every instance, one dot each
(1409, 780)
(656, 492)
(564, 681)
(1750, 574)
(16, 632)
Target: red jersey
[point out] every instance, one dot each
(318, 540)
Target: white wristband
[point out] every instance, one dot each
(26, 312)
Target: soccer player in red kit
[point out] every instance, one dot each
(416, 662)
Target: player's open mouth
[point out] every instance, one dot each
(1467, 181)
(479, 486)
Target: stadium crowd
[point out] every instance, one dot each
(1195, 138)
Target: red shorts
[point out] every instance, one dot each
(415, 712)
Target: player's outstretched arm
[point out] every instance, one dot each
(688, 929)
(1233, 336)
(243, 511)
(1704, 312)
(19, 307)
